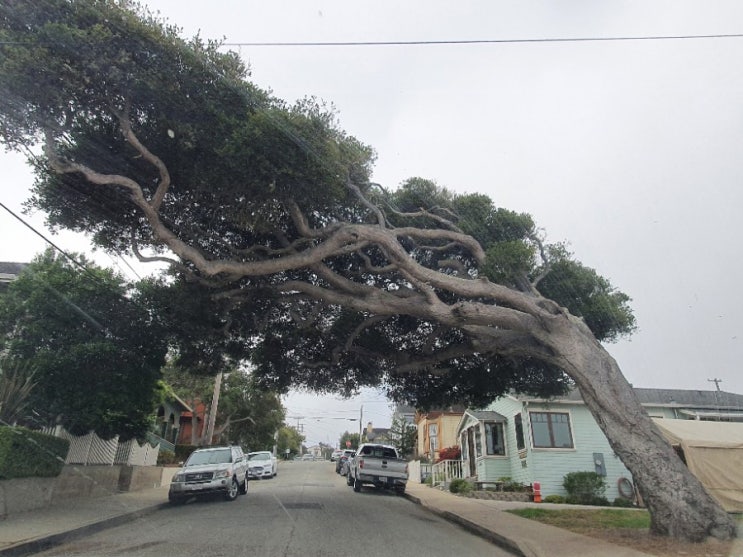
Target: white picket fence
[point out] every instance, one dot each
(90, 449)
(442, 473)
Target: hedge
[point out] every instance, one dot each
(182, 452)
(25, 453)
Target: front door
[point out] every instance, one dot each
(471, 451)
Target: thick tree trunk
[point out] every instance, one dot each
(679, 505)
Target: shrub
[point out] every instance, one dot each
(25, 453)
(515, 486)
(165, 457)
(460, 485)
(622, 502)
(585, 488)
(182, 452)
(553, 499)
(450, 453)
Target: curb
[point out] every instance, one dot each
(496, 539)
(43, 543)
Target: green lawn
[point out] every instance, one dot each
(588, 518)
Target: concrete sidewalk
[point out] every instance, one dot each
(33, 531)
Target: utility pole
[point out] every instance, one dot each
(213, 409)
(361, 422)
(717, 395)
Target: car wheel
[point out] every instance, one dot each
(400, 490)
(356, 485)
(232, 491)
(244, 486)
(176, 499)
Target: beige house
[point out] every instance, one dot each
(437, 430)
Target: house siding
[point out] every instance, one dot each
(549, 466)
(493, 467)
(447, 432)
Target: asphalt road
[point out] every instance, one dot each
(307, 511)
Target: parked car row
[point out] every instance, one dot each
(342, 461)
(220, 470)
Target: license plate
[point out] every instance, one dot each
(382, 478)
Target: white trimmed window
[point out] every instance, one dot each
(551, 430)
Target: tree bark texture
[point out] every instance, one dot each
(679, 505)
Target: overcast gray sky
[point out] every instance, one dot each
(629, 150)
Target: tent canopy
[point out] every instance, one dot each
(714, 454)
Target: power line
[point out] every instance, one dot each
(492, 41)
(453, 41)
(48, 241)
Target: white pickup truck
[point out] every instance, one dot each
(378, 465)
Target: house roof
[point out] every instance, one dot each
(10, 270)
(687, 398)
(487, 415)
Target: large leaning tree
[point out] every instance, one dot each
(322, 278)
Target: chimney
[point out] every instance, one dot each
(369, 428)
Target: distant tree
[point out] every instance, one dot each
(404, 435)
(353, 438)
(247, 414)
(321, 277)
(289, 438)
(96, 352)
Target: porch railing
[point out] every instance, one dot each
(442, 473)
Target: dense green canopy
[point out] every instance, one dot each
(95, 351)
(131, 113)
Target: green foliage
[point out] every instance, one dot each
(253, 415)
(460, 485)
(585, 488)
(182, 452)
(95, 349)
(553, 499)
(404, 436)
(622, 502)
(165, 457)
(289, 438)
(587, 519)
(605, 310)
(352, 437)
(25, 453)
(16, 384)
(242, 164)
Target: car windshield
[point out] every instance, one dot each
(210, 457)
(259, 456)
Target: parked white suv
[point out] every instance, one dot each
(211, 470)
(262, 464)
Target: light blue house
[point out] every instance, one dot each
(536, 440)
